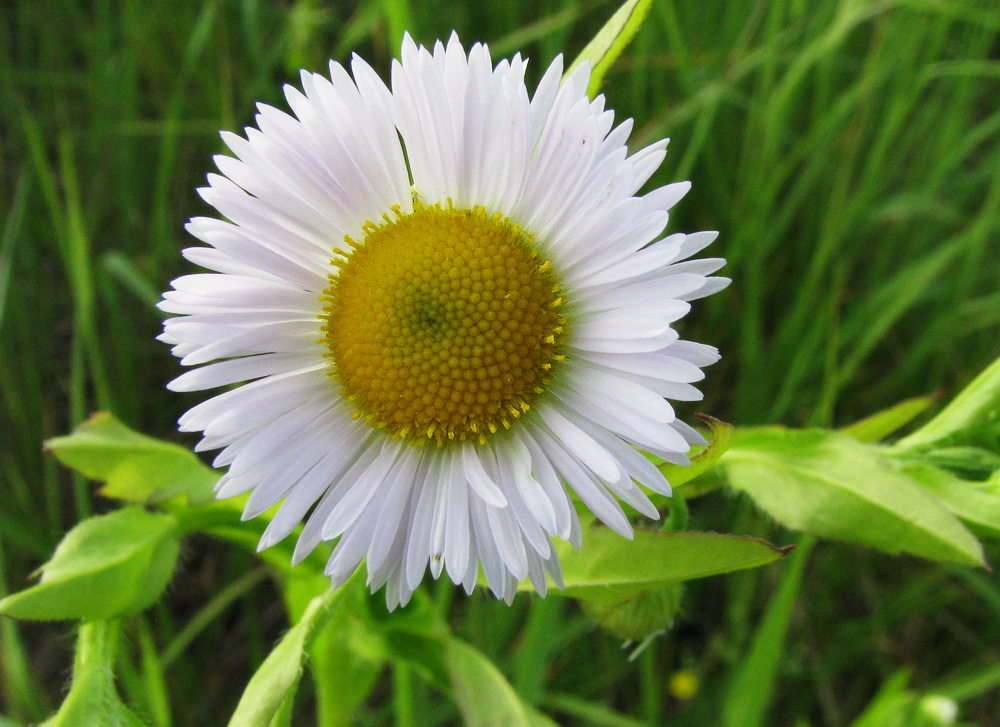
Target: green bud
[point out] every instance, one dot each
(641, 616)
(936, 710)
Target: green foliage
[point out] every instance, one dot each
(648, 613)
(750, 692)
(484, 697)
(268, 698)
(110, 565)
(891, 706)
(845, 150)
(134, 467)
(830, 485)
(977, 508)
(609, 42)
(885, 423)
(93, 699)
(609, 569)
(722, 439)
(898, 706)
(345, 644)
(979, 402)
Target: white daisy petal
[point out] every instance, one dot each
(712, 285)
(457, 536)
(419, 532)
(392, 509)
(312, 530)
(509, 544)
(305, 494)
(635, 396)
(638, 466)
(592, 492)
(546, 476)
(698, 354)
(620, 324)
(361, 492)
(658, 365)
(583, 447)
(448, 307)
(234, 370)
(478, 480)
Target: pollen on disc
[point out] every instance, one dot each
(442, 324)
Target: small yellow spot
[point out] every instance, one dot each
(683, 684)
(440, 323)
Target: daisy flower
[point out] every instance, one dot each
(453, 310)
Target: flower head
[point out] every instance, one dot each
(452, 309)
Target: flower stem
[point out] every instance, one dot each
(402, 695)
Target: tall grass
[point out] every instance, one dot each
(846, 149)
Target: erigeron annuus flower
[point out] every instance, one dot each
(452, 308)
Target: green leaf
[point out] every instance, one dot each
(344, 644)
(605, 47)
(897, 706)
(266, 700)
(830, 485)
(135, 468)
(879, 426)
(977, 402)
(977, 508)
(93, 699)
(483, 695)
(974, 463)
(892, 706)
(752, 687)
(610, 569)
(993, 483)
(110, 565)
(722, 439)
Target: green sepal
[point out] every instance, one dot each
(636, 619)
(721, 440)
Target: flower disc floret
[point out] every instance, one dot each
(442, 324)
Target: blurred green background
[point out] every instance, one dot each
(846, 150)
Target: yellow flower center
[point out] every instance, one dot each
(442, 324)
